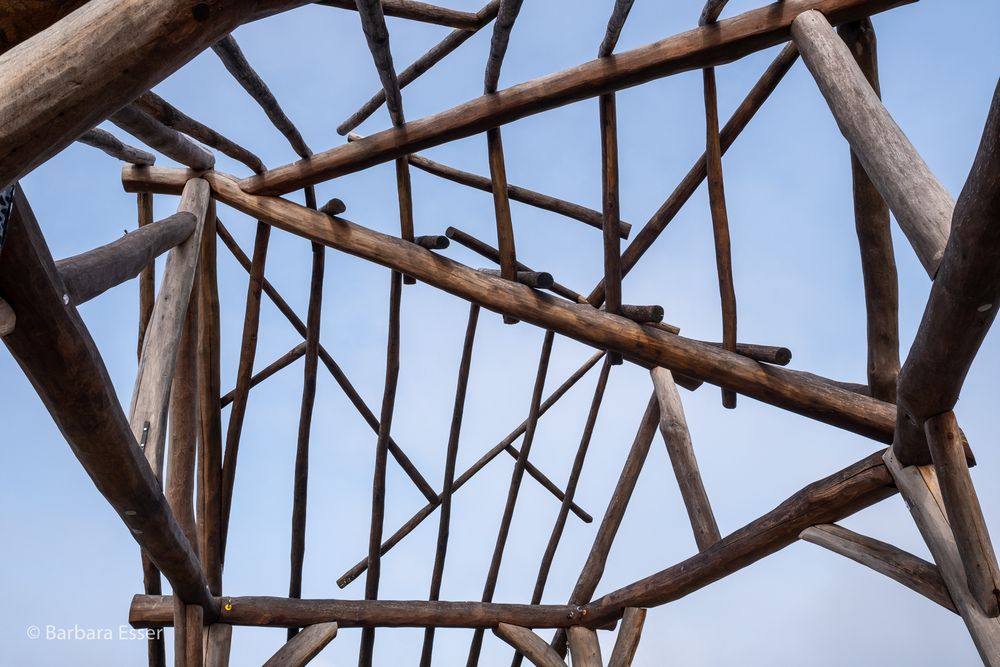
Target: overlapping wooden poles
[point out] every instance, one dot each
(417, 11)
(113, 146)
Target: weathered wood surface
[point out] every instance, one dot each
(285, 360)
(826, 501)
(21, 19)
(217, 648)
(306, 645)
(157, 611)
(166, 140)
(147, 277)
(506, 16)
(417, 11)
(629, 634)
(913, 572)
(871, 219)
(536, 279)
(501, 208)
(920, 203)
(182, 452)
(963, 302)
(710, 12)
(702, 47)
(778, 386)
(94, 272)
(965, 515)
(615, 24)
(919, 487)
(54, 349)
(113, 146)
(584, 648)
(530, 645)
(8, 319)
(677, 438)
(377, 35)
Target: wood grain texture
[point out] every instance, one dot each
(584, 649)
(530, 645)
(610, 209)
(417, 11)
(113, 146)
(377, 36)
(629, 634)
(166, 140)
(614, 30)
(306, 645)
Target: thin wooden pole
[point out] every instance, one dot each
(609, 181)
(285, 360)
(113, 146)
(416, 11)
(147, 278)
(448, 486)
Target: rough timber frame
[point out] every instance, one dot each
(48, 101)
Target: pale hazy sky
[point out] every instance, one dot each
(69, 560)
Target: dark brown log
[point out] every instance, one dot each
(377, 35)
(212, 535)
(157, 107)
(768, 354)
(147, 277)
(333, 207)
(114, 147)
(501, 203)
(448, 485)
(168, 141)
(609, 184)
(913, 572)
(536, 279)
(964, 512)
(963, 301)
(702, 47)
(305, 646)
(614, 29)
(432, 242)
(285, 360)
(878, 262)
(517, 193)
(7, 318)
(437, 53)
(628, 638)
(504, 445)
(710, 12)
(94, 272)
(300, 489)
(514, 489)
(788, 389)
(825, 501)
(381, 457)
(417, 11)
(55, 350)
(720, 222)
(151, 611)
(698, 172)
(528, 644)
(641, 314)
(331, 365)
(236, 63)
(506, 16)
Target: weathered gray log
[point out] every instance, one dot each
(432, 242)
(536, 279)
(628, 638)
(920, 203)
(113, 146)
(168, 141)
(333, 207)
(306, 645)
(94, 272)
(55, 350)
(506, 16)
(530, 645)
(377, 35)
(417, 11)
(710, 12)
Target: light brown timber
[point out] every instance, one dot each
(584, 649)
(168, 141)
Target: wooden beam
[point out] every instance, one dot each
(152, 611)
(7, 318)
(710, 12)
(787, 389)
(422, 64)
(920, 203)
(919, 487)
(306, 645)
(168, 141)
(94, 272)
(506, 16)
(584, 648)
(963, 302)
(113, 146)
(21, 19)
(377, 36)
(913, 572)
(147, 277)
(702, 47)
(965, 516)
(628, 638)
(417, 11)
(677, 438)
(530, 645)
(182, 452)
(188, 635)
(55, 350)
(615, 24)
(611, 206)
(219, 644)
(878, 262)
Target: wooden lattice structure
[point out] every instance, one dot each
(168, 467)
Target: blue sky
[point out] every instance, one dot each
(798, 282)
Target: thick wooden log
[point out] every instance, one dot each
(501, 207)
(217, 648)
(677, 438)
(913, 572)
(157, 107)
(189, 641)
(417, 11)
(236, 63)
(778, 386)
(702, 47)
(94, 272)
(963, 302)
(113, 146)
(55, 350)
(615, 24)
(826, 501)
(513, 490)
(651, 231)
(432, 242)
(536, 279)
(965, 515)
(306, 645)
(21, 19)
(919, 487)
(285, 360)
(629, 634)
(768, 354)
(422, 64)
(710, 12)
(517, 193)
(584, 648)
(530, 645)
(878, 262)
(504, 445)
(448, 485)
(920, 203)
(168, 141)
(152, 611)
(8, 319)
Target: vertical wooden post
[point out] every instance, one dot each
(611, 210)
(147, 279)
